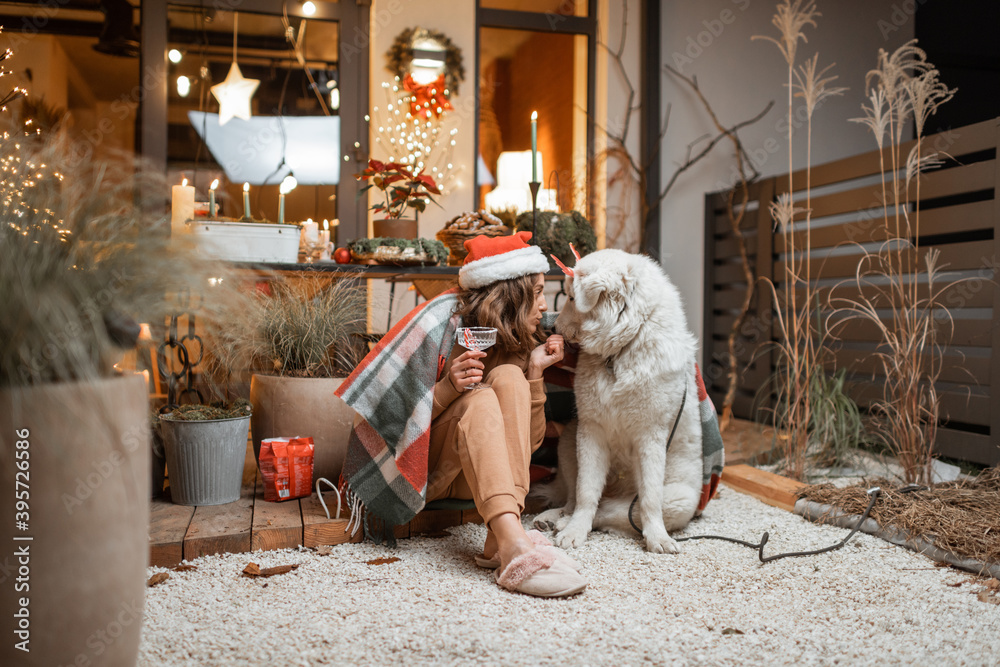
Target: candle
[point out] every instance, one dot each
(287, 185)
(211, 198)
(324, 238)
(246, 201)
(310, 231)
(182, 207)
(534, 146)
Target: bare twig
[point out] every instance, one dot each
(631, 172)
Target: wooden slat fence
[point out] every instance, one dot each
(960, 216)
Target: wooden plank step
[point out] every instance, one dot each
(471, 516)
(275, 525)
(434, 521)
(168, 524)
(317, 530)
(222, 528)
(765, 486)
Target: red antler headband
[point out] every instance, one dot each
(565, 269)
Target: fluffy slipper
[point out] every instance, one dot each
(539, 573)
(539, 540)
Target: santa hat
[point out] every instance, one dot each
(500, 258)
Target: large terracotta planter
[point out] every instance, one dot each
(83, 572)
(285, 406)
(395, 228)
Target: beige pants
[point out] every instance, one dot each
(481, 445)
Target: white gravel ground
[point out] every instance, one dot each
(868, 603)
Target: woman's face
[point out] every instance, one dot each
(539, 306)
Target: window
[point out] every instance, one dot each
(312, 94)
(531, 62)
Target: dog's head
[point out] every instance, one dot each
(608, 301)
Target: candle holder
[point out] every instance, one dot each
(534, 186)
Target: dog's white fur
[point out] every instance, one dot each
(625, 313)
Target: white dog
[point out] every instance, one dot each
(635, 369)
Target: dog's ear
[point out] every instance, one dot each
(589, 288)
(616, 285)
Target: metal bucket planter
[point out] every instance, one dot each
(205, 459)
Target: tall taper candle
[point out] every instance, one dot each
(246, 201)
(287, 185)
(534, 146)
(211, 198)
(182, 207)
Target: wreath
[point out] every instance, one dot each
(400, 56)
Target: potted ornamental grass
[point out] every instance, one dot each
(82, 263)
(402, 191)
(299, 339)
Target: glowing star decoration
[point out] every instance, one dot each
(234, 95)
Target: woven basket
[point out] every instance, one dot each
(454, 240)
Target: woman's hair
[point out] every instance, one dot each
(505, 305)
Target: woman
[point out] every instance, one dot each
(480, 439)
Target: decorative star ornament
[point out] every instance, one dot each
(234, 95)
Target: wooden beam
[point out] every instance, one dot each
(434, 521)
(767, 487)
(168, 524)
(221, 529)
(318, 530)
(275, 525)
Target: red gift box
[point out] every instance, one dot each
(286, 464)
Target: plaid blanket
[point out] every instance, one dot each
(392, 389)
(713, 453)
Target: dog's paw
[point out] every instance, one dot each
(563, 521)
(661, 544)
(548, 519)
(572, 536)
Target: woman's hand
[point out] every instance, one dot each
(545, 355)
(467, 369)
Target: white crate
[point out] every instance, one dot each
(247, 241)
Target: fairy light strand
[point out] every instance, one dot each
(426, 144)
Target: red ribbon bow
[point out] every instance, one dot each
(429, 100)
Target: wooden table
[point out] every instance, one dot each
(429, 280)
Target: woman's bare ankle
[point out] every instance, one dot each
(510, 537)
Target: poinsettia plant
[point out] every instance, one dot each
(401, 188)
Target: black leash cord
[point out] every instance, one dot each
(873, 492)
(670, 439)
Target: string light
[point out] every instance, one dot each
(412, 140)
(22, 176)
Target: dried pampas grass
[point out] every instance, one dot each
(902, 88)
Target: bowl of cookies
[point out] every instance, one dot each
(463, 227)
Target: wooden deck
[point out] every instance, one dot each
(178, 532)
